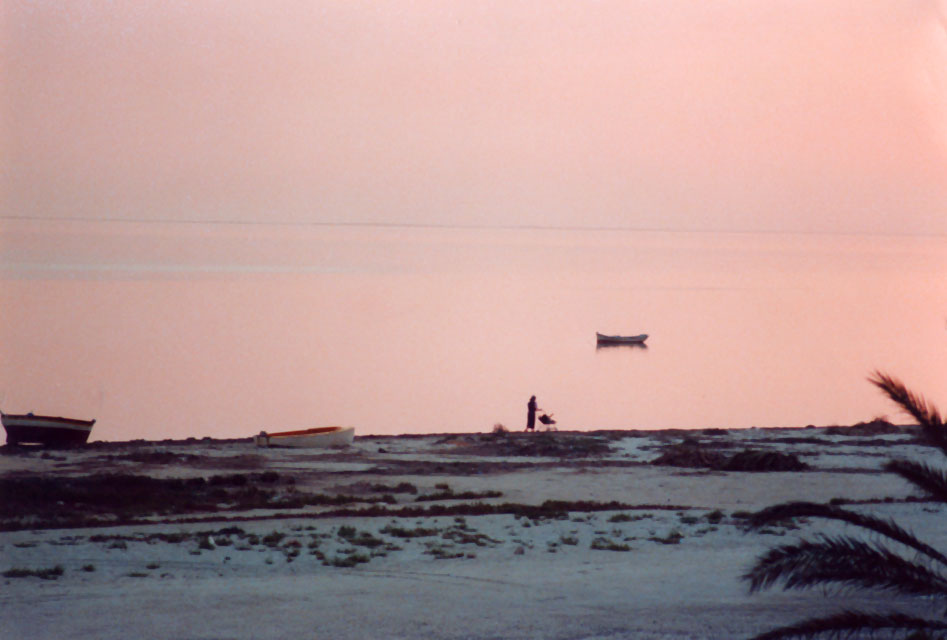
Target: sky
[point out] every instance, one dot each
(267, 120)
(772, 115)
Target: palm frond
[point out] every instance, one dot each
(932, 426)
(846, 561)
(923, 476)
(849, 623)
(888, 528)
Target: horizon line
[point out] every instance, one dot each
(465, 226)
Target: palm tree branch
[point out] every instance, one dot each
(842, 560)
(930, 480)
(887, 528)
(932, 426)
(848, 623)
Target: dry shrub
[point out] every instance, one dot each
(691, 455)
(749, 460)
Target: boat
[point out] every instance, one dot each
(46, 430)
(601, 338)
(318, 437)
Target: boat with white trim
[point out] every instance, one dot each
(317, 437)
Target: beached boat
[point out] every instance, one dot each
(47, 430)
(320, 437)
(601, 338)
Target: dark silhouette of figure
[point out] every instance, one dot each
(531, 414)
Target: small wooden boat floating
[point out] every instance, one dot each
(601, 338)
(317, 437)
(46, 430)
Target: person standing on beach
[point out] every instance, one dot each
(531, 410)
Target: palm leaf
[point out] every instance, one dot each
(933, 481)
(925, 413)
(846, 561)
(848, 623)
(888, 528)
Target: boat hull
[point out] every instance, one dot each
(319, 437)
(604, 339)
(46, 430)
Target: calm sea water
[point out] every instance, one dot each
(199, 330)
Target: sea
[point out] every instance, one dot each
(177, 330)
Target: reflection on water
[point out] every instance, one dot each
(173, 332)
(620, 345)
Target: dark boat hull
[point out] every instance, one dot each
(46, 430)
(604, 339)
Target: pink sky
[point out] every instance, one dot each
(821, 115)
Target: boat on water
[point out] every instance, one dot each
(601, 338)
(317, 437)
(46, 430)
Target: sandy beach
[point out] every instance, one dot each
(558, 535)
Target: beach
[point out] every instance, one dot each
(562, 535)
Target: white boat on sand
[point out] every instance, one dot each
(318, 437)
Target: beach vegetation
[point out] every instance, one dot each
(402, 532)
(466, 536)
(273, 538)
(674, 537)
(351, 559)
(170, 538)
(889, 558)
(42, 501)
(67, 541)
(347, 532)
(360, 538)
(606, 544)
(401, 487)
(691, 453)
(52, 573)
(444, 492)
(442, 551)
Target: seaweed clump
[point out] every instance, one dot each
(692, 455)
